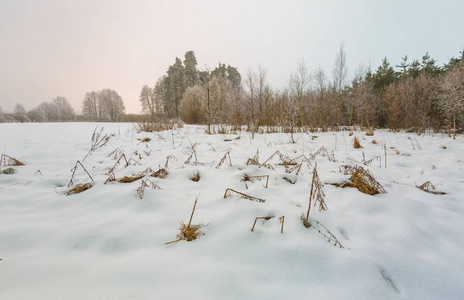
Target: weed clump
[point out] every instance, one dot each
(129, 179)
(161, 173)
(430, 188)
(145, 139)
(195, 177)
(77, 189)
(8, 171)
(370, 132)
(356, 143)
(188, 232)
(363, 181)
(7, 160)
(305, 221)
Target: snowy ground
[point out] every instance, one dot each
(107, 243)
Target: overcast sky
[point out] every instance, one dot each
(67, 48)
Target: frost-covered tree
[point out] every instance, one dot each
(339, 74)
(299, 85)
(175, 89)
(64, 109)
(112, 104)
(19, 109)
(192, 111)
(159, 92)
(89, 105)
(452, 96)
(147, 100)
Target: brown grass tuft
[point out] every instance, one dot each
(444, 147)
(79, 188)
(351, 133)
(306, 223)
(364, 182)
(374, 142)
(7, 160)
(356, 143)
(370, 132)
(430, 188)
(195, 177)
(189, 232)
(145, 139)
(161, 173)
(129, 179)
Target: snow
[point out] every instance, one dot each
(107, 243)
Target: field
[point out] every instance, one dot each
(110, 239)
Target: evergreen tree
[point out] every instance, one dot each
(191, 73)
(175, 89)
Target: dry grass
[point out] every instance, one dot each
(351, 133)
(229, 191)
(7, 160)
(370, 132)
(161, 173)
(306, 222)
(444, 147)
(430, 188)
(129, 179)
(195, 177)
(189, 232)
(266, 218)
(356, 143)
(289, 180)
(145, 139)
(79, 188)
(364, 182)
(162, 125)
(254, 178)
(374, 142)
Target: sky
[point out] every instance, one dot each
(66, 48)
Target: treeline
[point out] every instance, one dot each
(102, 106)
(57, 110)
(413, 95)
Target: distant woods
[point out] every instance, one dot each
(194, 95)
(104, 105)
(413, 95)
(57, 110)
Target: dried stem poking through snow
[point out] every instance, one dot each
(430, 188)
(228, 192)
(9, 161)
(253, 178)
(74, 172)
(188, 232)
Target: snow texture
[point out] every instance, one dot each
(107, 243)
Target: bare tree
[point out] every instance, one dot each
(339, 76)
(452, 96)
(299, 85)
(147, 100)
(249, 103)
(321, 97)
(19, 109)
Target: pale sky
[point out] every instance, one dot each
(66, 48)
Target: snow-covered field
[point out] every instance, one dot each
(107, 243)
